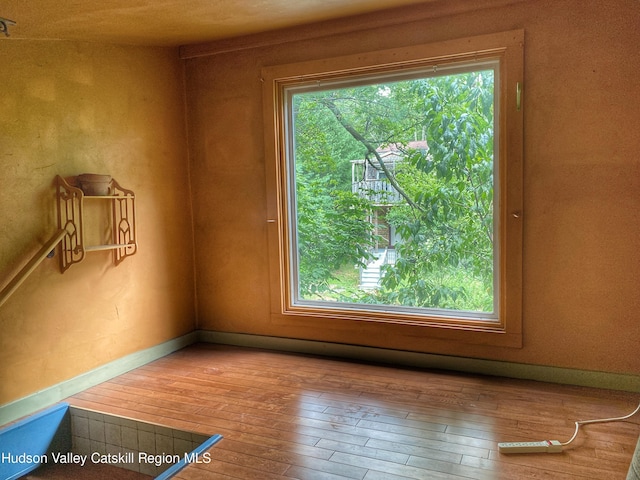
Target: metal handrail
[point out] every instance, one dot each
(31, 266)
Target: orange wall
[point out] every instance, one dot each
(71, 108)
(581, 178)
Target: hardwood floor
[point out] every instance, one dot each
(286, 416)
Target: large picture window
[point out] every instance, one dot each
(391, 186)
(398, 185)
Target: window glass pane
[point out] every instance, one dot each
(391, 192)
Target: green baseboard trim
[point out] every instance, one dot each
(39, 400)
(566, 376)
(56, 393)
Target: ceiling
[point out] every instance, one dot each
(172, 22)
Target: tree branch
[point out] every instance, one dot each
(370, 149)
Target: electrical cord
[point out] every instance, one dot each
(554, 446)
(600, 420)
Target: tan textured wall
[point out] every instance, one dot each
(582, 179)
(71, 108)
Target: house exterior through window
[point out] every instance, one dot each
(371, 183)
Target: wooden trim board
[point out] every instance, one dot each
(567, 376)
(56, 393)
(38, 400)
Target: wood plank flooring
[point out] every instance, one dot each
(289, 416)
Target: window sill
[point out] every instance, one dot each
(393, 331)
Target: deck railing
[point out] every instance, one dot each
(378, 192)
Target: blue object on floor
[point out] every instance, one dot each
(24, 444)
(198, 455)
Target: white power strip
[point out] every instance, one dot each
(547, 446)
(554, 446)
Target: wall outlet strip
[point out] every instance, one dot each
(546, 446)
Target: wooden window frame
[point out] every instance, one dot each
(508, 49)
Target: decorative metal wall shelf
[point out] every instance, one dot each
(71, 202)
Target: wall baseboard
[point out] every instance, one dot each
(38, 400)
(566, 376)
(56, 393)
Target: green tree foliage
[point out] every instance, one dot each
(445, 257)
(331, 221)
